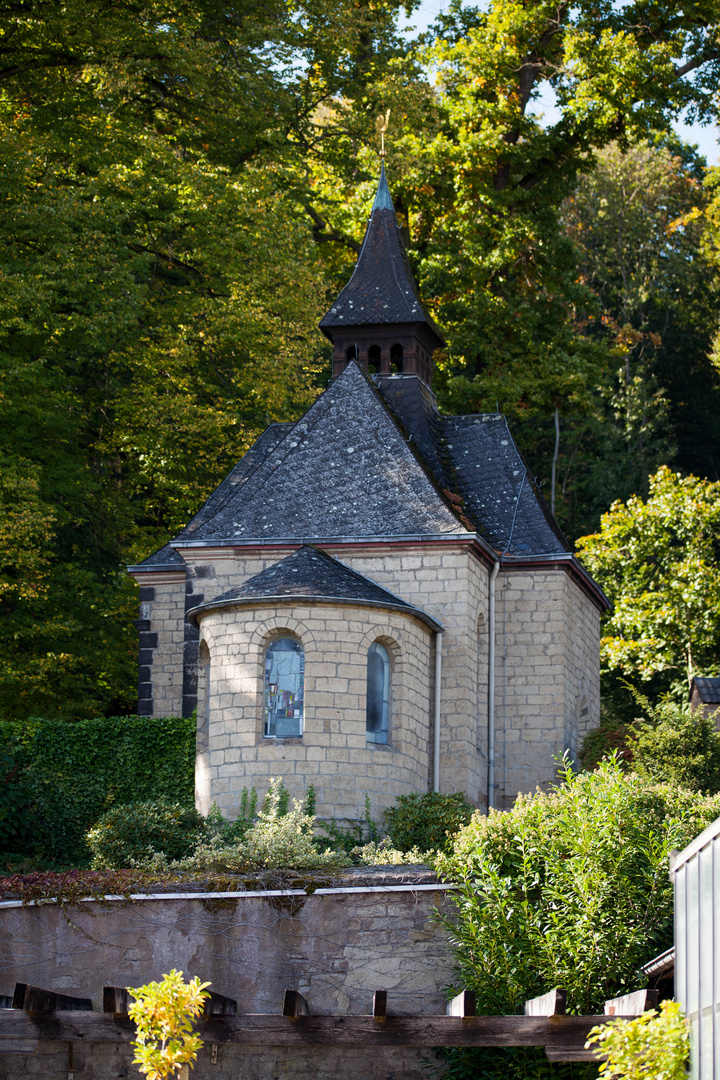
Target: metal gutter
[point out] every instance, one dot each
(491, 688)
(436, 728)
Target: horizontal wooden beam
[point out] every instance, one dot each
(561, 1033)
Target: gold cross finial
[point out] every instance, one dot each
(381, 126)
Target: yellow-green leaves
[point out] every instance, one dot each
(163, 1013)
(659, 563)
(655, 1045)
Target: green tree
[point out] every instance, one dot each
(658, 561)
(567, 889)
(159, 296)
(637, 218)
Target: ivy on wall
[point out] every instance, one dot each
(60, 776)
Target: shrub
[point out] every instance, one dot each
(568, 889)
(653, 1045)
(65, 775)
(384, 854)
(673, 745)
(427, 821)
(279, 838)
(129, 836)
(163, 1012)
(611, 736)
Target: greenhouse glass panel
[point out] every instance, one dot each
(696, 878)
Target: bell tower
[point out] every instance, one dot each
(379, 319)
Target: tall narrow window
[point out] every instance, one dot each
(374, 359)
(378, 694)
(396, 358)
(351, 353)
(284, 688)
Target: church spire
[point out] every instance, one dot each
(379, 319)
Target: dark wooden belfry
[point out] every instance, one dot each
(379, 319)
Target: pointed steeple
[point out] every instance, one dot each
(379, 318)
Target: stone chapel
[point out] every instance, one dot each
(377, 599)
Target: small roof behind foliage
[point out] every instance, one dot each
(708, 690)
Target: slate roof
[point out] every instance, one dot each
(382, 289)
(313, 574)
(369, 461)
(414, 404)
(165, 556)
(499, 492)
(708, 689)
(347, 468)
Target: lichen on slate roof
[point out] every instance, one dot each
(382, 289)
(498, 491)
(345, 469)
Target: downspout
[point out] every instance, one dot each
(491, 687)
(436, 728)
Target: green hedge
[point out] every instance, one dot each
(60, 776)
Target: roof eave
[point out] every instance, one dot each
(299, 599)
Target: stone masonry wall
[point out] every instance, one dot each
(449, 584)
(547, 675)
(333, 754)
(162, 634)
(336, 948)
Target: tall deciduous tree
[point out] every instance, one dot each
(159, 296)
(659, 562)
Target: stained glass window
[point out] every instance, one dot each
(284, 688)
(378, 694)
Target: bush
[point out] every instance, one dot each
(655, 1045)
(132, 835)
(673, 745)
(570, 889)
(427, 821)
(279, 838)
(65, 775)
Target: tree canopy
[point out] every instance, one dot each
(184, 185)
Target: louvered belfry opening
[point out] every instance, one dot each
(379, 318)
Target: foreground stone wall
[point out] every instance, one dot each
(336, 946)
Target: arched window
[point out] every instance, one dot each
(284, 688)
(396, 357)
(374, 357)
(351, 353)
(378, 694)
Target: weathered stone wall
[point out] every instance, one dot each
(547, 676)
(336, 947)
(162, 636)
(333, 753)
